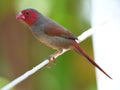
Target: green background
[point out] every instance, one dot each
(20, 51)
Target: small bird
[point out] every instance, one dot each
(52, 34)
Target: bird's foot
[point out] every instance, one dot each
(51, 58)
(52, 61)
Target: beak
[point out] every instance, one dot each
(20, 16)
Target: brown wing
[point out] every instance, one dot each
(53, 29)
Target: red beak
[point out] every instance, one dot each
(20, 16)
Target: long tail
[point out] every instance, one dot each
(79, 50)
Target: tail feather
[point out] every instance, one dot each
(79, 50)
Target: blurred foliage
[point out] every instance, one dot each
(3, 82)
(20, 51)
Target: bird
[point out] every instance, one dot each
(52, 34)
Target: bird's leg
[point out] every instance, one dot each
(51, 58)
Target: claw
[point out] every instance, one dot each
(51, 58)
(52, 61)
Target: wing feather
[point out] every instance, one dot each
(53, 29)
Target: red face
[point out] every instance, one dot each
(29, 16)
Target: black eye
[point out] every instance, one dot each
(27, 13)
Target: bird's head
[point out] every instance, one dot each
(29, 16)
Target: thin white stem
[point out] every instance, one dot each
(82, 37)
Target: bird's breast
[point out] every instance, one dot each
(55, 42)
